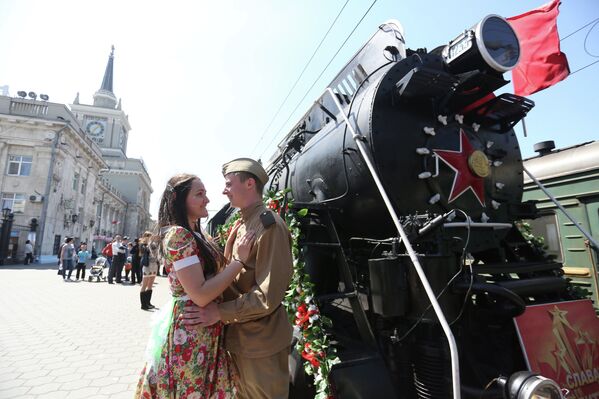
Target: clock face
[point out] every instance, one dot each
(95, 129)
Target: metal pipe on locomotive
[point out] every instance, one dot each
(413, 178)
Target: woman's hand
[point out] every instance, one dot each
(245, 245)
(231, 240)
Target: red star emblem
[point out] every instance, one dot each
(464, 179)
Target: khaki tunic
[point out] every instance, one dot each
(257, 321)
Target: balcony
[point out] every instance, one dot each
(28, 108)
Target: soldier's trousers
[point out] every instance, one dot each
(264, 377)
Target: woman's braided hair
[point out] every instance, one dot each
(173, 212)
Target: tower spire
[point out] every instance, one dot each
(105, 97)
(107, 81)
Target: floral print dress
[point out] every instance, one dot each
(189, 362)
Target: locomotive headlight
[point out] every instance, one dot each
(491, 43)
(527, 385)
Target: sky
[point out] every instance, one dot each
(201, 81)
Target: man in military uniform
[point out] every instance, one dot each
(258, 332)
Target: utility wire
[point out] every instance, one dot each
(595, 22)
(586, 50)
(319, 76)
(579, 29)
(586, 66)
(299, 77)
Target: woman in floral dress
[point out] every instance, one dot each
(187, 361)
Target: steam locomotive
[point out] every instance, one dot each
(412, 176)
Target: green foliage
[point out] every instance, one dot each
(223, 230)
(526, 230)
(578, 292)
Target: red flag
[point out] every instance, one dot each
(542, 64)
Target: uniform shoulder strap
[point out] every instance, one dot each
(267, 218)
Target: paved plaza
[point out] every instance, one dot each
(70, 339)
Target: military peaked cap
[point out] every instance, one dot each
(246, 165)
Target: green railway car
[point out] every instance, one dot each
(572, 176)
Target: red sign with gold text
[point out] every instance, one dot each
(561, 342)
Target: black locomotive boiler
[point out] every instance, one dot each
(412, 176)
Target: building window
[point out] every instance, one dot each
(75, 181)
(19, 165)
(14, 202)
(83, 184)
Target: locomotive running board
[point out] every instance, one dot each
(359, 139)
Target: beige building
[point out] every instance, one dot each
(49, 172)
(67, 170)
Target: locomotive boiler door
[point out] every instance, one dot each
(433, 165)
(473, 169)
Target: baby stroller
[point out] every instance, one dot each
(97, 269)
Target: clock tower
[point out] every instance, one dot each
(104, 121)
(107, 125)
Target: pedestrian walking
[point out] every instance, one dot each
(128, 262)
(135, 262)
(82, 256)
(148, 249)
(59, 255)
(125, 243)
(67, 256)
(107, 252)
(118, 260)
(28, 252)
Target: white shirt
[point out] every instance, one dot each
(117, 248)
(28, 248)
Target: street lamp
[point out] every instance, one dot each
(7, 218)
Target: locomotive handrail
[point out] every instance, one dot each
(555, 201)
(455, 366)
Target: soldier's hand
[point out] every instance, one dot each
(195, 316)
(231, 240)
(191, 315)
(245, 245)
